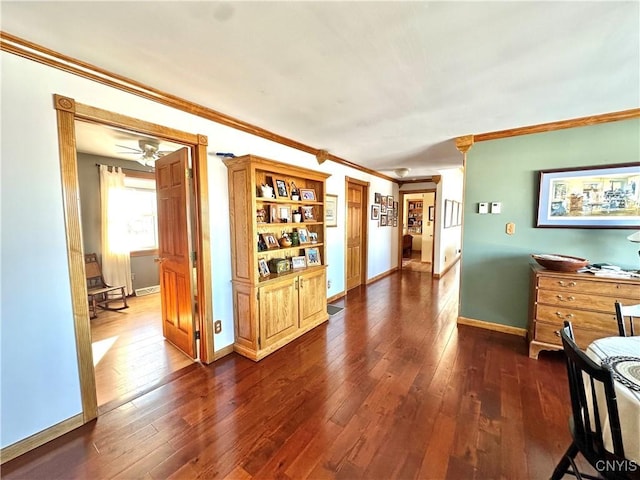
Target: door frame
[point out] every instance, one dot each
(67, 112)
(401, 215)
(364, 250)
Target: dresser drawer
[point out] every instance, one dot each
(548, 333)
(581, 300)
(613, 289)
(556, 315)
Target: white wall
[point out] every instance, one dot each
(448, 248)
(39, 384)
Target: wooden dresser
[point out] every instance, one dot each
(583, 299)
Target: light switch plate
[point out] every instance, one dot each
(496, 207)
(483, 207)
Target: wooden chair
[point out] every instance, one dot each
(585, 378)
(626, 316)
(407, 245)
(99, 293)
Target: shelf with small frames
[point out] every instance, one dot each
(273, 306)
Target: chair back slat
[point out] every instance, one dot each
(626, 315)
(587, 400)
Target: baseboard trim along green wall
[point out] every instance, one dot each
(496, 327)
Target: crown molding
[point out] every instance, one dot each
(37, 53)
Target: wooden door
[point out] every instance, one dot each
(312, 298)
(278, 315)
(355, 197)
(174, 252)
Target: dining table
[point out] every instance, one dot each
(622, 354)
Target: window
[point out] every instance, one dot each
(142, 214)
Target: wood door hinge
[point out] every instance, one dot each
(189, 172)
(258, 295)
(194, 257)
(259, 342)
(197, 334)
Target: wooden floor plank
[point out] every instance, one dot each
(389, 388)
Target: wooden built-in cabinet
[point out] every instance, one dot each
(587, 301)
(270, 311)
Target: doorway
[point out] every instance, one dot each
(357, 193)
(418, 232)
(130, 351)
(68, 111)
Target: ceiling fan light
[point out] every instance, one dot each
(401, 172)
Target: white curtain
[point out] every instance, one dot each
(116, 264)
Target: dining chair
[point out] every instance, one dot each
(585, 379)
(626, 316)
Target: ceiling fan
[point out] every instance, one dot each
(149, 152)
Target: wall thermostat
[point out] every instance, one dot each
(483, 207)
(496, 207)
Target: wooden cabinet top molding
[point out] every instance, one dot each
(273, 165)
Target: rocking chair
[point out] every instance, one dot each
(99, 293)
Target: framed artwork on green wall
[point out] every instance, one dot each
(590, 197)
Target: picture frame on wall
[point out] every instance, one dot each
(448, 207)
(390, 201)
(375, 212)
(459, 214)
(431, 213)
(331, 210)
(383, 220)
(605, 196)
(377, 198)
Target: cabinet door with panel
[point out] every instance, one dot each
(312, 299)
(278, 316)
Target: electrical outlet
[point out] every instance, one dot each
(217, 326)
(511, 228)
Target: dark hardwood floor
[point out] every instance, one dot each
(388, 388)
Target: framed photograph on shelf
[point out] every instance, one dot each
(270, 241)
(376, 198)
(313, 237)
(284, 213)
(331, 210)
(263, 267)
(298, 262)
(375, 212)
(606, 196)
(281, 189)
(303, 236)
(308, 194)
(307, 214)
(313, 256)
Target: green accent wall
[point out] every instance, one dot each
(495, 266)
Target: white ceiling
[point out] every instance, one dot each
(381, 84)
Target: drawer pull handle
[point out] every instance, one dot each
(570, 284)
(562, 315)
(557, 332)
(569, 299)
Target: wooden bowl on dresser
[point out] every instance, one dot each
(561, 263)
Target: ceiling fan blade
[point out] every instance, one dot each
(134, 150)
